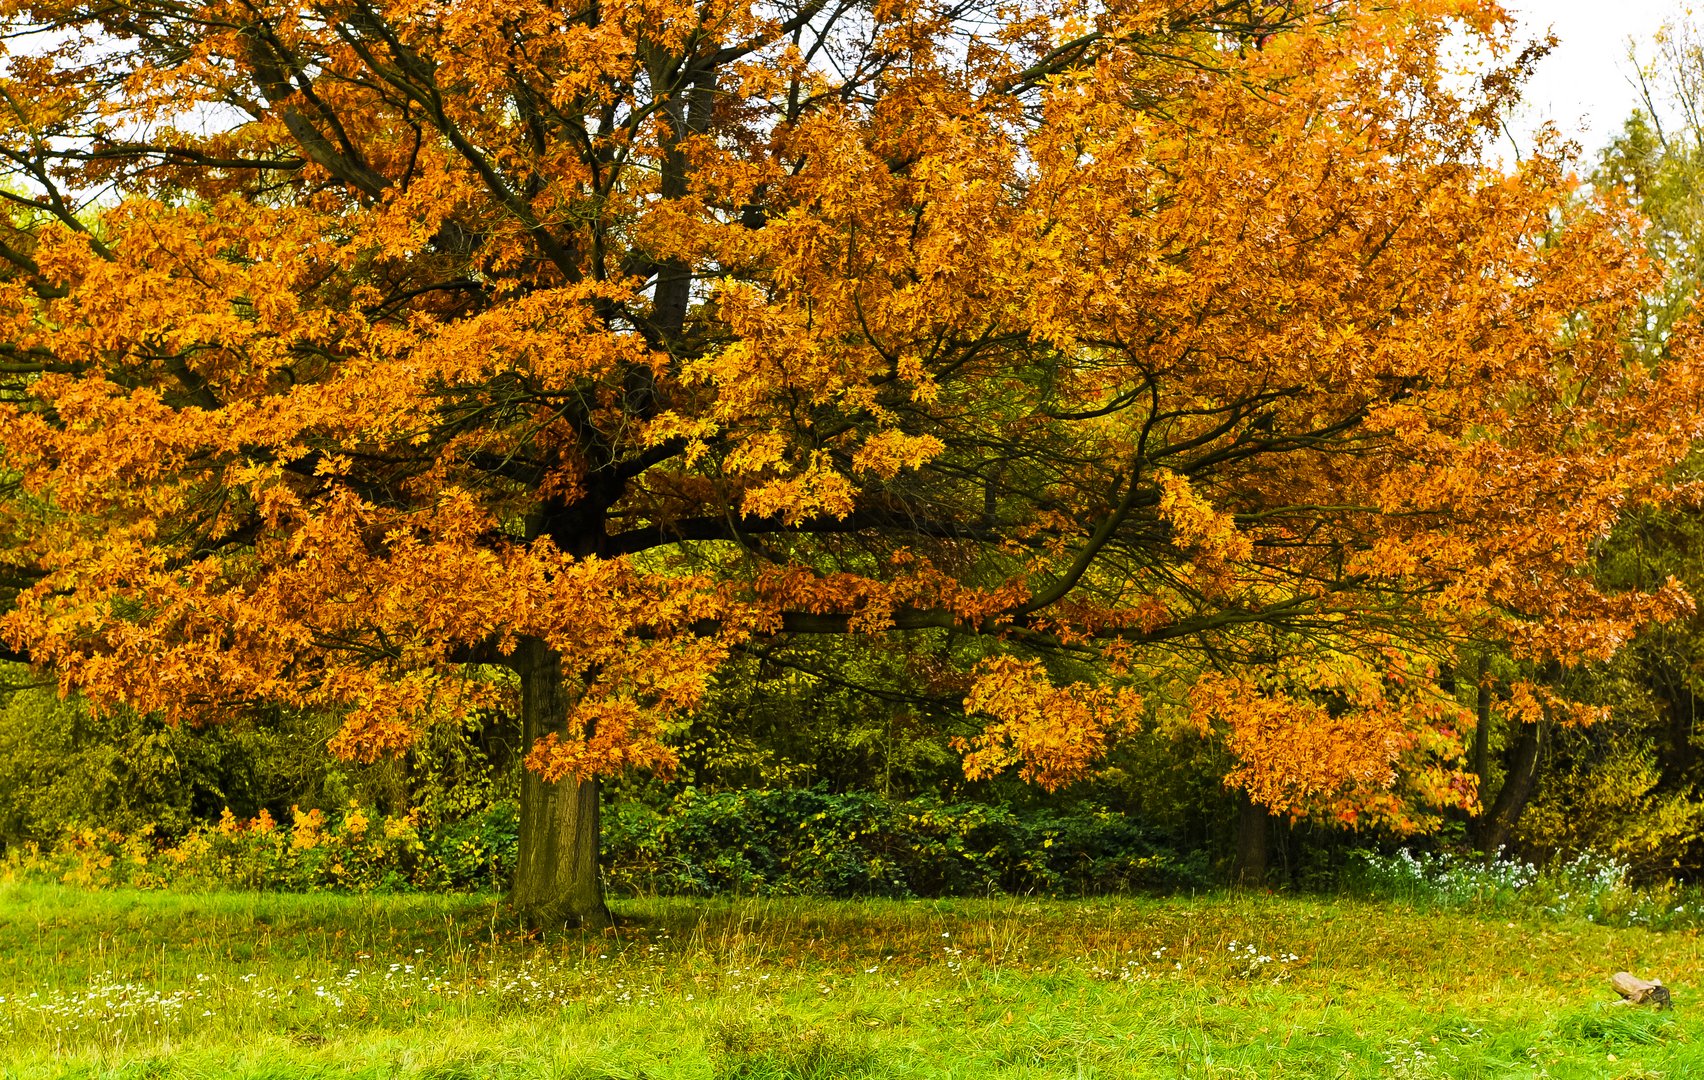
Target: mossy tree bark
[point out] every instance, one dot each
(557, 884)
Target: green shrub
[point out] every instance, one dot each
(798, 842)
(811, 842)
(64, 765)
(68, 769)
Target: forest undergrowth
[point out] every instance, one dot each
(161, 984)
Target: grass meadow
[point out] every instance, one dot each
(144, 984)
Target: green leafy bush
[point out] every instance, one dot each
(811, 842)
(799, 842)
(64, 765)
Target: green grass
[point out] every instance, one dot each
(134, 985)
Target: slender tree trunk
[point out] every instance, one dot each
(1253, 829)
(557, 883)
(1517, 790)
(1679, 755)
(1482, 729)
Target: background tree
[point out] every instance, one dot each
(1630, 786)
(1180, 362)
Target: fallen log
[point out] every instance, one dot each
(1637, 991)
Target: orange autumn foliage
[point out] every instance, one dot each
(349, 346)
(1352, 744)
(1052, 734)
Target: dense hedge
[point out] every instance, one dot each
(796, 842)
(810, 842)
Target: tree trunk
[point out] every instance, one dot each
(1678, 755)
(1482, 728)
(557, 883)
(1252, 833)
(1517, 790)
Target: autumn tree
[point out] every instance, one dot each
(357, 350)
(1632, 786)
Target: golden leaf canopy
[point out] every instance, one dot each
(348, 344)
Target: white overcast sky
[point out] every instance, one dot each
(1584, 84)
